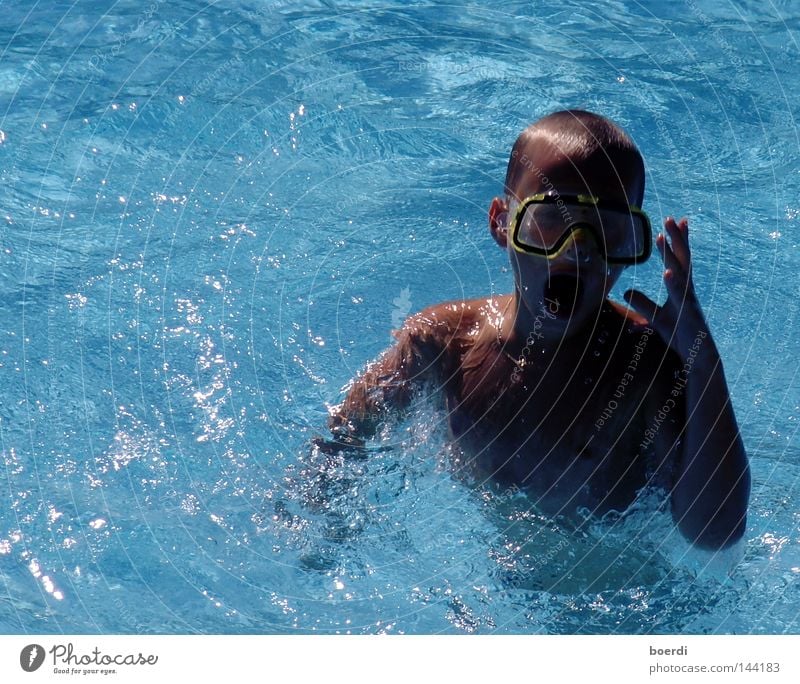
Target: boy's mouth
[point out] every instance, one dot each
(563, 290)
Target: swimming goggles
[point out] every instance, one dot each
(543, 223)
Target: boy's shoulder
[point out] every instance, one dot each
(454, 327)
(441, 323)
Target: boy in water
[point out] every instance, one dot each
(557, 389)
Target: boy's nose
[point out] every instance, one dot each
(580, 246)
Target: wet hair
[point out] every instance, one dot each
(579, 136)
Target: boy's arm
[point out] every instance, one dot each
(712, 479)
(386, 386)
(711, 476)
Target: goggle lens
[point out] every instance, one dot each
(544, 225)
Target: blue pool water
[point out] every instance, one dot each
(212, 216)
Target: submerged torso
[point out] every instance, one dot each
(569, 431)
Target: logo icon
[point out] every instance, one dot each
(31, 657)
(402, 305)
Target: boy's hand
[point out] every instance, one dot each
(680, 320)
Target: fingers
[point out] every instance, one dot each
(671, 261)
(679, 241)
(337, 445)
(630, 314)
(677, 259)
(642, 303)
(681, 310)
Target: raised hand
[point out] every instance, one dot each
(679, 321)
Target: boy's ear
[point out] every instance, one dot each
(498, 221)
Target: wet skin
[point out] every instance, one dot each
(529, 385)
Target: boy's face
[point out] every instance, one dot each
(574, 283)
